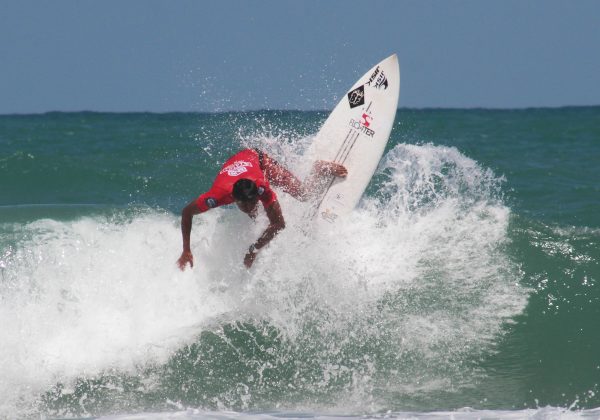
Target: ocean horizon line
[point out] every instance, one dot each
(294, 110)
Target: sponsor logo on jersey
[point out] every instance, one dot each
(357, 97)
(236, 168)
(211, 203)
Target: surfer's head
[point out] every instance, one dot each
(245, 191)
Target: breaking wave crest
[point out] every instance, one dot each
(396, 300)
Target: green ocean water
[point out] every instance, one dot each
(467, 277)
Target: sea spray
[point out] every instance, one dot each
(416, 282)
(397, 298)
(416, 303)
(83, 297)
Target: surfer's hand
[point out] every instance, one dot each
(186, 257)
(330, 168)
(249, 259)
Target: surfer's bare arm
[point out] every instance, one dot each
(276, 224)
(281, 177)
(187, 215)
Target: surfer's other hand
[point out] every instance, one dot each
(249, 259)
(186, 257)
(331, 168)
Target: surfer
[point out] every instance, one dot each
(245, 179)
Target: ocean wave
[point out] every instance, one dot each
(394, 302)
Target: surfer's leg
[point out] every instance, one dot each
(281, 177)
(326, 169)
(321, 174)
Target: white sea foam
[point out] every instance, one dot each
(419, 268)
(90, 295)
(431, 239)
(543, 413)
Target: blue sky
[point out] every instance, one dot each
(221, 55)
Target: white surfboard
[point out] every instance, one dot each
(355, 135)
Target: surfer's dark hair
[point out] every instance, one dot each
(245, 190)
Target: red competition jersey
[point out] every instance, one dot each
(244, 164)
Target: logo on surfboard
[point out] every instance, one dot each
(329, 215)
(366, 119)
(357, 97)
(362, 126)
(378, 77)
